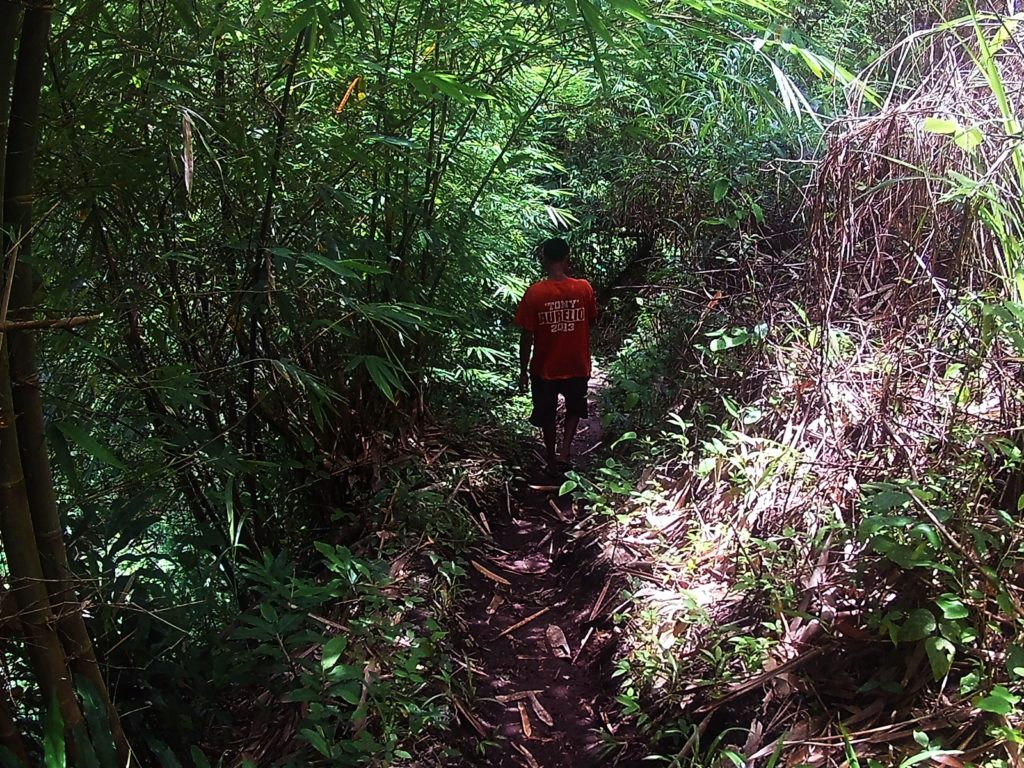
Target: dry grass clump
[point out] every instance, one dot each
(920, 198)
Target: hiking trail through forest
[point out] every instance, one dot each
(539, 626)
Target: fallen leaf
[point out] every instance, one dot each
(518, 696)
(490, 574)
(371, 673)
(348, 93)
(539, 710)
(495, 604)
(524, 718)
(556, 639)
(530, 759)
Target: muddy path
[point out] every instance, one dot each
(539, 628)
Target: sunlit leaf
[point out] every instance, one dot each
(941, 125)
(940, 655)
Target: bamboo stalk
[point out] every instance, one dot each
(10, 736)
(60, 323)
(9, 13)
(9, 17)
(26, 465)
(45, 651)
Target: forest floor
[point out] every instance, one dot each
(539, 624)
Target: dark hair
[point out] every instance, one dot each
(555, 250)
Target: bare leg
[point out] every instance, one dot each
(549, 444)
(571, 423)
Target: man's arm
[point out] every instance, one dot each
(525, 348)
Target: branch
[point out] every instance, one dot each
(59, 323)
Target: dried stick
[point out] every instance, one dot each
(525, 621)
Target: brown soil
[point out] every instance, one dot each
(553, 562)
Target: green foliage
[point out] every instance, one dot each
(370, 691)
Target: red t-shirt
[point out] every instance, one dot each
(559, 314)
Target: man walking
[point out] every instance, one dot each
(556, 315)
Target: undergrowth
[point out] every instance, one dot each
(343, 656)
(822, 548)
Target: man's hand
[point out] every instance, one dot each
(525, 348)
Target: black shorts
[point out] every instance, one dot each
(545, 399)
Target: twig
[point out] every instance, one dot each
(525, 621)
(583, 643)
(741, 688)
(8, 285)
(694, 738)
(470, 718)
(558, 512)
(600, 600)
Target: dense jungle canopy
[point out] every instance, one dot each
(268, 496)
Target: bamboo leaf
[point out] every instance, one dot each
(81, 437)
(631, 8)
(95, 710)
(593, 20)
(54, 755)
(187, 155)
(354, 9)
(187, 14)
(85, 754)
(383, 373)
(449, 85)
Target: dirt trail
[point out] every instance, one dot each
(537, 705)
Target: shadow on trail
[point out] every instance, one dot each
(539, 624)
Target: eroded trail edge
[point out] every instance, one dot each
(542, 640)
